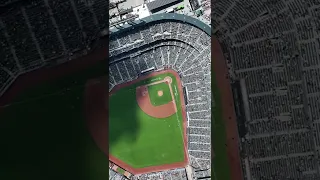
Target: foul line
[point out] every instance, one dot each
(173, 99)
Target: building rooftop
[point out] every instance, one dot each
(159, 3)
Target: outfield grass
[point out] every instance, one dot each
(139, 139)
(221, 169)
(43, 135)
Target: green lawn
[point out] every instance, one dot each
(43, 135)
(159, 100)
(220, 166)
(139, 139)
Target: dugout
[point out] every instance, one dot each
(147, 71)
(239, 108)
(185, 92)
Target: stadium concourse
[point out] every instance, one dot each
(272, 48)
(180, 43)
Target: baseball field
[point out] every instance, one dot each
(147, 130)
(43, 130)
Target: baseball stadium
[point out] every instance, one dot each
(160, 98)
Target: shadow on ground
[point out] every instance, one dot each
(104, 132)
(126, 125)
(123, 125)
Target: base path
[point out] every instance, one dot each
(221, 71)
(136, 171)
(144, 102)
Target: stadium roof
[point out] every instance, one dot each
(156, 17)
(159, 3)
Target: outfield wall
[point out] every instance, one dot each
(239, 108)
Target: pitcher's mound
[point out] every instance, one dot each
(160, 93)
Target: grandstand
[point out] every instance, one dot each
(272, 48)
(40, 33)
(180, 43)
